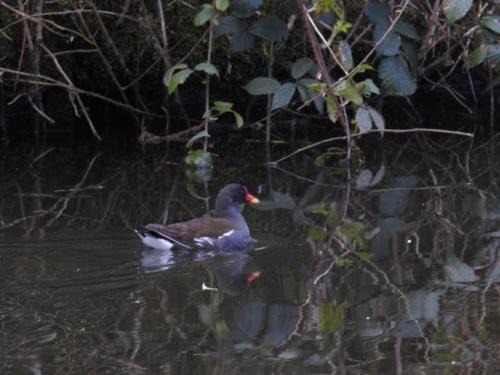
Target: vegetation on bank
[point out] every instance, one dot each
(154, 60)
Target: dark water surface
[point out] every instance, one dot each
(397, 272)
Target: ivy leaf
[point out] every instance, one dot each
(262, 86)
(208, 68)
(283, 95)
(301, 67)
(456, 9)
(363, 120)
(270, 28)
(477, 56)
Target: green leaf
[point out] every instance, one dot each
(221, 5)
(283, 95)
(194, 138)
(270, 28)
(317, 234)
(228, 25)
(332, 108)
(242, 41)
(477, 56)
(238, 118)
(301, 67)
(262, 86)
(396, 77)
(345, 55)
(363, 120)
(349, 92)
(492, 22)
(456, 9)
(203, 16)
(377, 118)
(407, 29)
(208, 68)
(223, 106)
(177, 79)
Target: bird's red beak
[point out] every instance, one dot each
(249, 198)
(251, 277)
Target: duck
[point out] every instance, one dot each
(226, 231)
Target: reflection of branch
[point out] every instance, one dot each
(355, 135)
(71, 194)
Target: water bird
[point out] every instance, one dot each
(226, 231)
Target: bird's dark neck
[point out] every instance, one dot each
(233, 214)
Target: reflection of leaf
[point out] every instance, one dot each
(364, 179)
(364, 255)
(378, 176)
(221, 329)
(394, 202)
(205, 314)
(352, 232)
(199, 158)
(457, 271)
(331, 316)
(316, 234)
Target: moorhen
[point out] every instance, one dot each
(226, 231)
